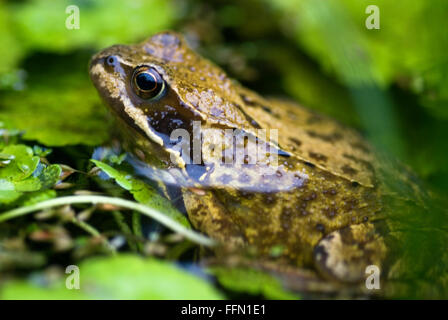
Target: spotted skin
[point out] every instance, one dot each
(320, 204)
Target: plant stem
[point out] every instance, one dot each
(137, 228)
(160, 217)
(125, 229)
(92, 231)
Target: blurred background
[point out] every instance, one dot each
(391, 83)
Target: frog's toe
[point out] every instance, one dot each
(344, 254)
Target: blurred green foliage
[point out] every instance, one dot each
(39, 25)
(118, 277)
(250, 281)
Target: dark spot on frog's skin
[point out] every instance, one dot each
(330, 192)
(223, 225)
(347, 236)
(248, 101)
(266, 109)
(365, 163)
(199, 224)
(286, 217)
(309, 164)
(318, 156)
(310, 197)
(320, 227)
(255, 124)
(355, 184)
(295, 141)
(246, 195)
(330, 212)
(251, 103)
(200, 210)
(314, 119)
(349, 170)
(285, 225)
(248, 117)
(332, 137)
(350, 204)
(287, 212)
(301, 207)
(359, 146)
(282, 153)
(269, 199)
(365, 219)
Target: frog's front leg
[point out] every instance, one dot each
(208, 215)
(344, 254)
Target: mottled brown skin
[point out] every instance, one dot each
(319, 206)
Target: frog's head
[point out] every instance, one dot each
(161, 85)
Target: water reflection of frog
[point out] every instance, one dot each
(317, 210)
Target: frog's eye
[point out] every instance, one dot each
(148, 83)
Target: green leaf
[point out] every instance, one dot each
(119, 277)
(49, 176)
(253, 282)
(24, 174)
(143, 193)
(22, 166)
(28, 185)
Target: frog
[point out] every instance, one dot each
(313, 202)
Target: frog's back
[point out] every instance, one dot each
(315, 138)
(339, 189)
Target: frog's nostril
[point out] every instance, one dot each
(111, 61)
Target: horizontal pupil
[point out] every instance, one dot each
(146, 81)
